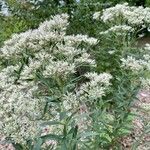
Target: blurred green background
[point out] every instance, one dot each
(27, 14)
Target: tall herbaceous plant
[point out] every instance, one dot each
(124, 25)
(46, 100)
(128, 63)
(51, 92)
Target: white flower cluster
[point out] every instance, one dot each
(49, 51)
(49, 32)
(132, 63)
(94, 89)
(59, 68)
(20, 111)
(51, 37)
(135, 16)
(136, 64)
(145, 83)
(119, 30)
(6, 77)
(124, 19)
(70, 101)
(96, 15)
(37, 39)
(139, 66)
(31, 1)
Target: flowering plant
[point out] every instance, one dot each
(60, 91)
(127, 62)
(124, 22)
(43, 93)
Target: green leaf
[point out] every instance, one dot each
(52, 137)
(52, 99)
(69, 118)
(75, 132)
(17, 146)
(46, 107)
(38, 144)
(63, 115)
(88, 134)
(63, 146)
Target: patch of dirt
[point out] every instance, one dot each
(142, 41)
(5, 146)
(139, 139)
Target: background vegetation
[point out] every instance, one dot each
(28, 14)
(24, 15)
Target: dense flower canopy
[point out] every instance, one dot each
(37, 57)
(134, 16)
(72, 91)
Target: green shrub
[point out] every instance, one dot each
(63, 90)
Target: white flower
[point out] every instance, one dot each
(111, 52)
(30, 69)
(67, 50)
(42, 55)
(60, 68)
(145, 83)
(123, 13)
(141, 35)
(145, 106)
(77, 39)
(34, 40)
(119, 30)
(70, 101)
(22, 112)
(132, 63)
(96, 87)
(85, 58)
(103, 78)
(58, 23)
(136, 65)
(96, 15)
(148, 29)
(6, 76)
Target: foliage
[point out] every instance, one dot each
(28, 14)
(46, 80)
(25, 15)
(61, 89)
(117, 50)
